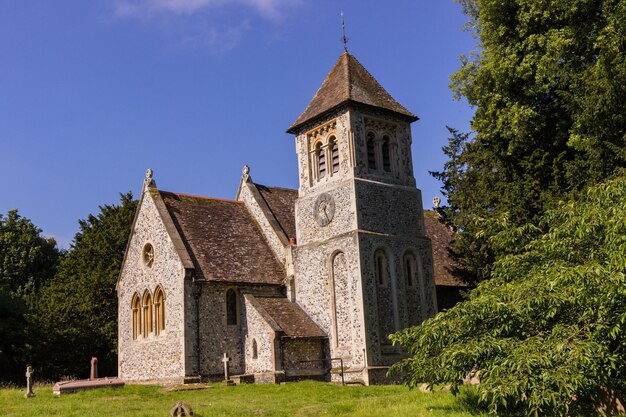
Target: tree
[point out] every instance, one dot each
(27, 259)
(547, 334)
(77, 314)
(549, 87)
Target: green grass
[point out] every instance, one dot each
(293, 399)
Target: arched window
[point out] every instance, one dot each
(386, 155)
(321, 161)
(371, 152)
(231, 307)
(159, 311)
(409, 270)
(334, 153)
(255, 352)
(147, 313)
(136, 307)
(381, 268)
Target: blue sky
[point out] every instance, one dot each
(94, 92)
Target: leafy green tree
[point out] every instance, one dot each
(27, 259)
(547, 334)
(549, 87)
(77, 314)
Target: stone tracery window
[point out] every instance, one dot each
(136, 308)
(147, 313)
(159, 311)
(232, 307)
(147, 254)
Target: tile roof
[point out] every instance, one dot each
(223, 240)
(441, 237)
(348, 81)
(282, 203)
(290, 317)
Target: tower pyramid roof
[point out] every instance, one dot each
(348, 81)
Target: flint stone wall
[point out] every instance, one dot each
(314, 293)
(153, 357)
(217, 337)
(256, 328)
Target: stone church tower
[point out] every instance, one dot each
(362, 264)
(283, 284)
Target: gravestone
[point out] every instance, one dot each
(29, 382)
(226, 359)
(94, 369)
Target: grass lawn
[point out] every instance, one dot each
(294, 399)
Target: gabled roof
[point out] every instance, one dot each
(282, 204)
(290, 318)
(223, 240)
(441, 238)
(348, 81)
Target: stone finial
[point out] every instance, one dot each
(436, 202)
(149, 181)
(245, 172)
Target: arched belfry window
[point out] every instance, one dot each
(136, 308)
(147, 313)
(334, 154)
(371, 152)
(381, 268)
(321, 161)
(409, 270)
(159, 311)
(232, 307)
(386, 154)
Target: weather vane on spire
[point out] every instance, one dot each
(344, 38)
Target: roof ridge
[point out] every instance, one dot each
(201, 197)
(276, 188)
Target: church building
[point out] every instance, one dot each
(285, 284)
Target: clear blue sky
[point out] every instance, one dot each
(94, 92)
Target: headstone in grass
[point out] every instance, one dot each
(226, 359)
(94, 369)
(181, 409)
(29, 382)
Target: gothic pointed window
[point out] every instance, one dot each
(321, 161)
(334, 154)
(386, 154)
(409, 270)
(136, 308)
(371, 152)
(159, 311)
(381, 268)
(231, 307)
(255, 350)
(147, 313)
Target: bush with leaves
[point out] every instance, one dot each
(547, 334)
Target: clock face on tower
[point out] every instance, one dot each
(324, 209)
